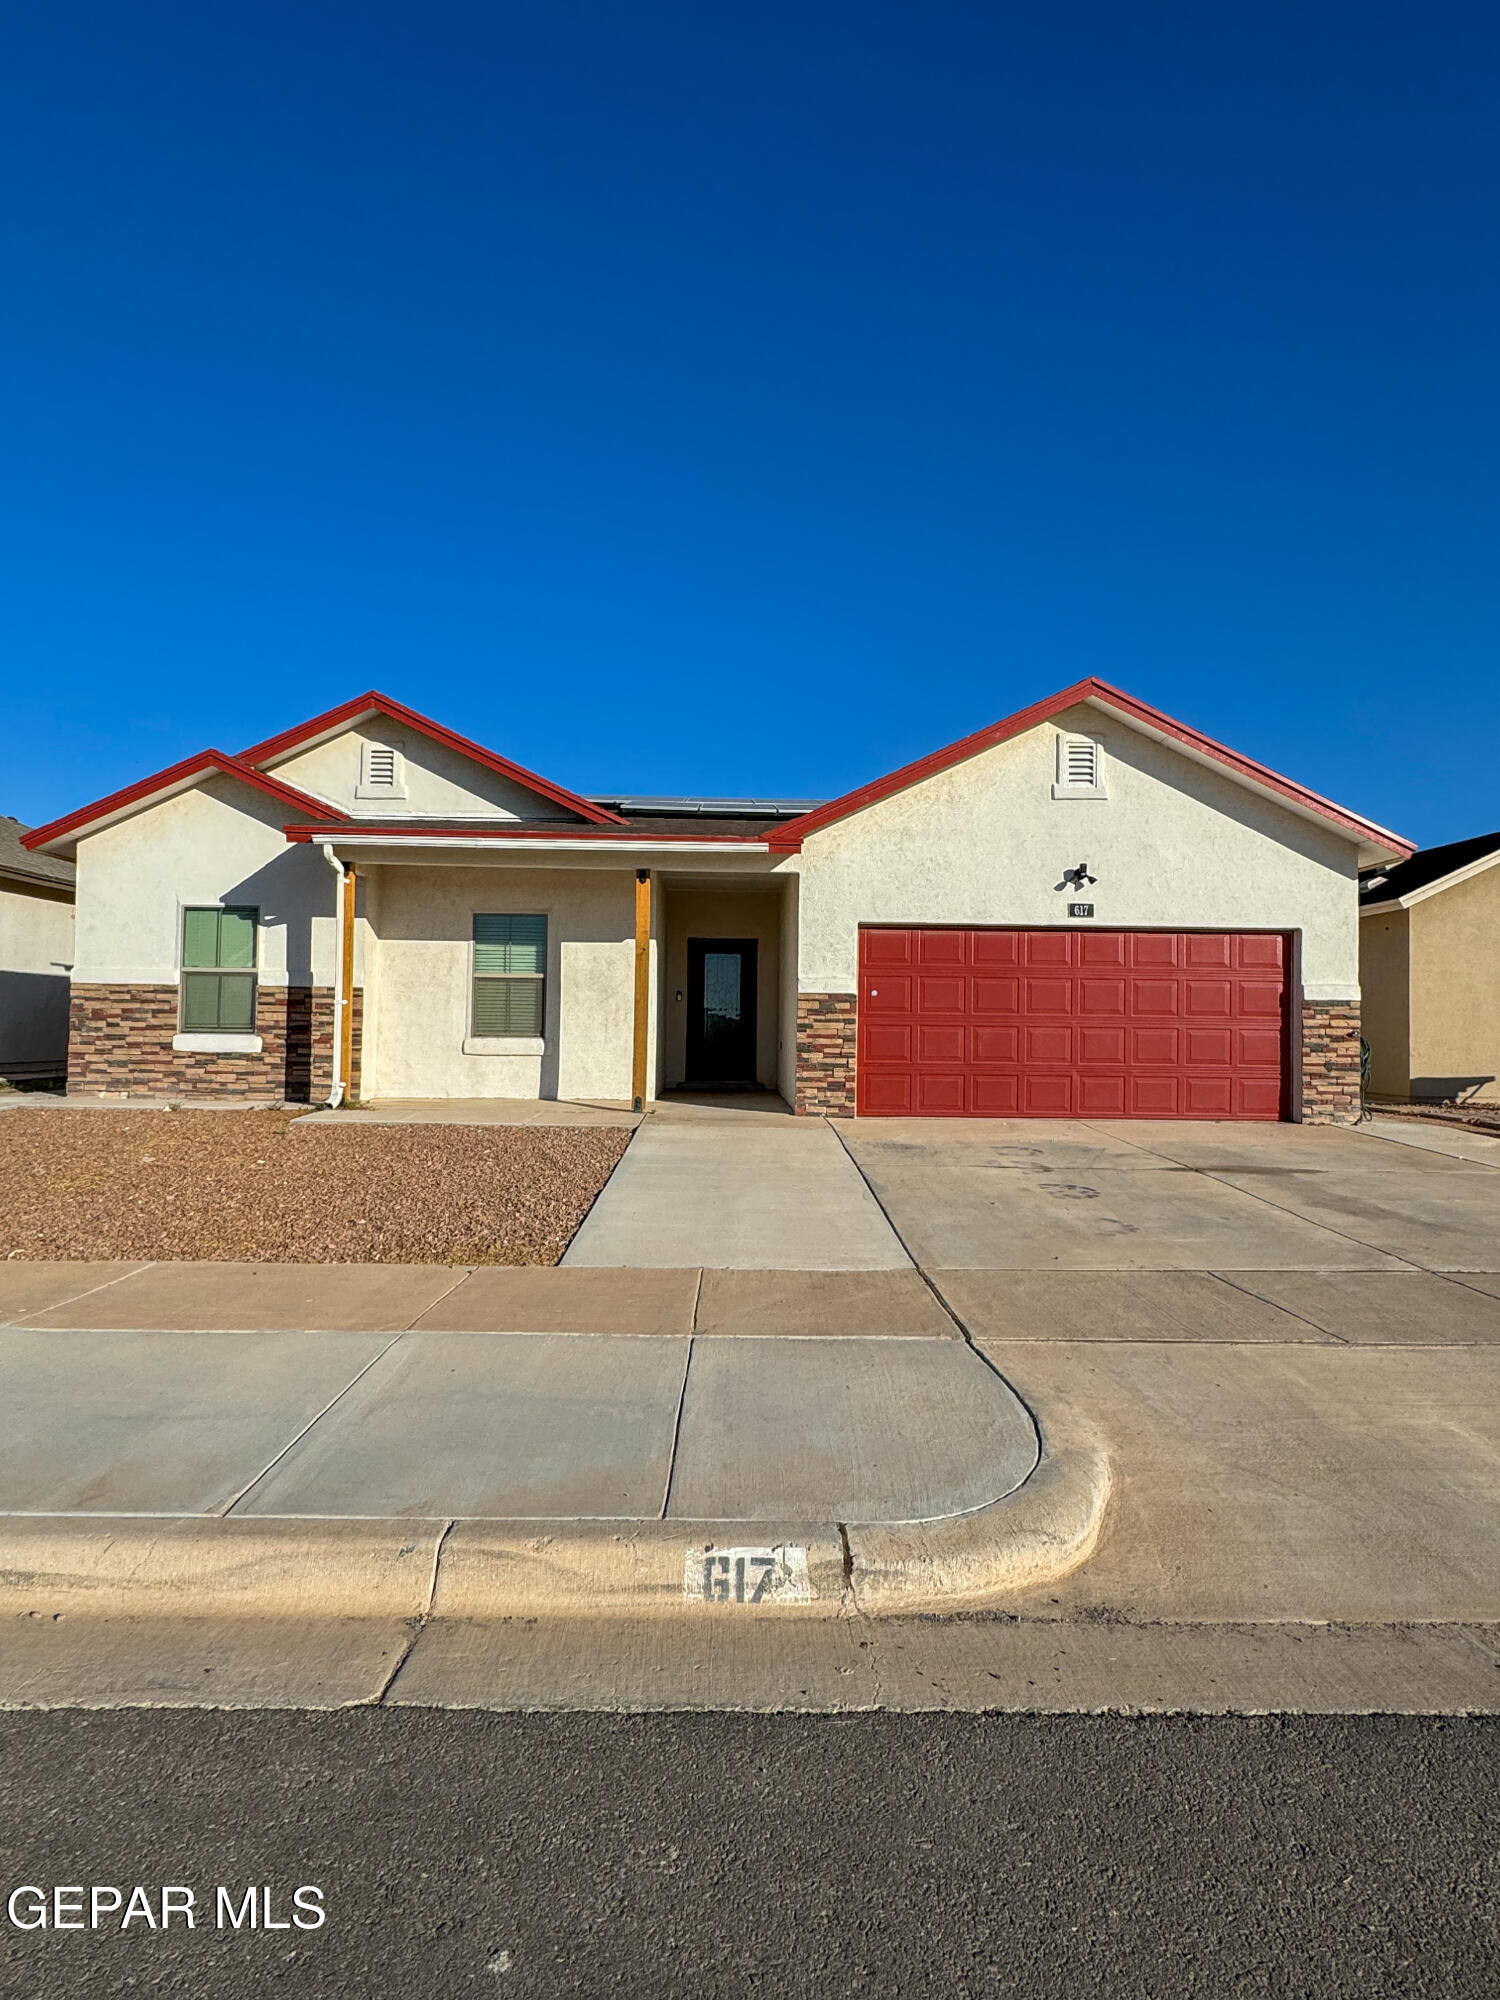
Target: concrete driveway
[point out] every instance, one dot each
(1140, 1196)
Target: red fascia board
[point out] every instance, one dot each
(788, 838)
(202, 765)
(395, 711)
(620, 831)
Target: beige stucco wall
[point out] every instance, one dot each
(219, 843)
(439, 782)
(1384, 976)
(1455, 991)
(419, 996)
(724, 913)
(786, 1060)
(1173, 845)
(36, 949)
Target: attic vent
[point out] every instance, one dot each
(1080, 769)
(381, 771)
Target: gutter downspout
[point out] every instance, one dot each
(336, 1092)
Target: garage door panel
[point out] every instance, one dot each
(1153, 949)
(1259, 998)
(881, 950)
(1258, 1098)
(1198, 951)
(1153, 996)
(941, 948)
(889, 1042)
(1102, 1096)
(1047, 1044)
(1101, 996)
(1208, 1048)
(1155, 1046)
(1057, 1024)
(1100, 948)
(940, 1091)
(1253, 953)
(887, 1093)
(1213, 997)
(1102, 1045)
(1208, 1096)
(996, 1045)
(995, 949)
(1046, 1096)
(996, 1096)
(894, 994)
(1155, 1097)
(989, 995)
(1258, 1048)
(942, 1042)
(940, 996)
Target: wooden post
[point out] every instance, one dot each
(642, 987)
(346, 989)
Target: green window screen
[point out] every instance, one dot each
(218, 971)
(510, 967)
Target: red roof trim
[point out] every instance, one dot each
(788, 838)
(620, 831)
(175, 774)
(395, 711)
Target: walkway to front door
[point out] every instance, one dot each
(750, 1193)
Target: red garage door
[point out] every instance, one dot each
(1071, 1024)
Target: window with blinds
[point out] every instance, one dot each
(1080, 768)
(218, 971)
(510, 975)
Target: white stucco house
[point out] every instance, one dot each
(1088, 909)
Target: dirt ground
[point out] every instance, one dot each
(232, 1185)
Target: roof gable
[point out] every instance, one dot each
(61, 835)
(1375, 841)
(367, 707)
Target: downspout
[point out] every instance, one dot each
(336, 1091)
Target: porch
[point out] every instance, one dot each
(487, 984)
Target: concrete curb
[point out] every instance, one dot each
(1046, 1529)
(198, 1566)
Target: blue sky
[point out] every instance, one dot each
(682, 398)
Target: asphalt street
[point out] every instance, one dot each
(706, 1855)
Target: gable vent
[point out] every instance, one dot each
(381, 772)
(1080, 768)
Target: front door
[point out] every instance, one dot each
(721, 1012)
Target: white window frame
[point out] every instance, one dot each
(367, 788)
(508, 1045)
(1061, 786)
(220, 1041)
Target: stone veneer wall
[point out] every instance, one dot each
(826, 1036)
(1330, 1062)
(120, 1045)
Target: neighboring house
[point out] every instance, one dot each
(36, 954)
(1085, 910)
(1429, 963)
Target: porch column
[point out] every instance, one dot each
(346, 986)
(642, 988)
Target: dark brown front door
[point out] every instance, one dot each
(721, 1011)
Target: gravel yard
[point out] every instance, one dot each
(245, 1185)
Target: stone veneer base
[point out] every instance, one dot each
(120, 1045)
(826, 1037)
(1330, 1062)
